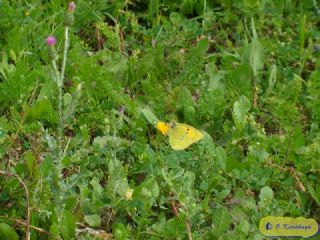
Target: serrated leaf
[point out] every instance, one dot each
(100, 140)
(118, 182)
(42, 110)
(240, 108)
(30, 162)
(313, 194)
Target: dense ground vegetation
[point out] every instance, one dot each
(244, 72)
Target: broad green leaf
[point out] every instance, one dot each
(201, 6)
(118, 183)
(101, 141)
(175, 227)
(221, 221)
(240, 109)
(67, 99)
(244, 226)
(184, 98)
(3, 127)
(42, 110)
(302, 33)
(153, 8)
(7, 232)
(265, 196)
(149, 116)
(221, 157)
(104, 141)
(120, 232)
(254, 53)
(266, 193)
(208, 143)
(189, 113)
(185, 104)
(187, 6)
(68, 225)
(166, 177)
(258, 236)
(96, 186)
(272, 80)
(93, 220)
(212, 105)
(30, 162)
(215, 78)
(147, 192)
(176, 18)
(159, 225)
(239, 213)
(240, 80)
(200, 49)
(188, 188)
(48, 89)
(231, 163)
(292, 90)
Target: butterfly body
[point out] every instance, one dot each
(180, 135)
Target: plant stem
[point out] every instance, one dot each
(59, 149)
(176, 213)
(60, 93)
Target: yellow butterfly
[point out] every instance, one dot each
(180, 135)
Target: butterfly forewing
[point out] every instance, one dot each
(182, 136)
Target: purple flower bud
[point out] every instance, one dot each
(71, 7)
(51, 40)
(122, 109)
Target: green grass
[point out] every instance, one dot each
(244, 72)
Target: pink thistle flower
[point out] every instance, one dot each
(51, 40)
(71, 7)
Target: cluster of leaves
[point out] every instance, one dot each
(245, 72)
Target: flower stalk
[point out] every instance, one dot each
(59, 79)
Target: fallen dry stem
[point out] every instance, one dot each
(21, 222)
(27, 223)
(176, 213)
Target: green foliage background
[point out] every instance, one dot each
(245, 72)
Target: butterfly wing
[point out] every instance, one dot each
(182, 136)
